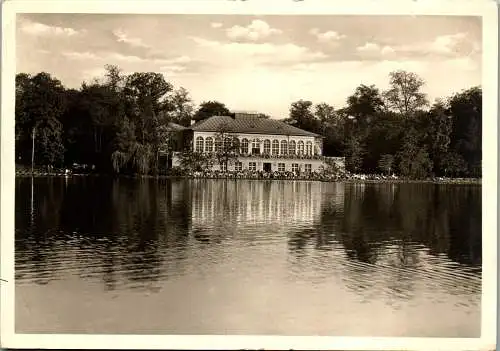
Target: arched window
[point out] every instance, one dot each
(255, 147)
(284, 147)
(199, 144)
(244, 146)
(276, 147)
(235, 144)
(300, 147)
(291, 147)
(209, 144)
(267, 146)
(309, 147)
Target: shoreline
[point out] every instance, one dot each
(355, 179)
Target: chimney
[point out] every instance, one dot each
(240, 115)
(193, 121)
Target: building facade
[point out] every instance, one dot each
(258, 144)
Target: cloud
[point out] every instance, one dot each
(256, 30)
(328, 36)
(447, 43)
(172, 70)
(40, 29)
(124, 38)
(464, 63)
(443, 45)
(108, 57)
(314, 81)
(237, 54)
(215, 24)
(74, 55)
(179, 59)
(375, 49)
(124, 58)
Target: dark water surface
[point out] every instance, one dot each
(97, 255)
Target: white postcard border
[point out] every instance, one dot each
(486, 9)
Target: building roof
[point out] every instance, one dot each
(174, 127)
(249, 125)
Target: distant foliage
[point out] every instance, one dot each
(405, 95)
(395, 130)
(195, 161)
(210, 108)
(119, 123)
(227, 147)
(386, 164)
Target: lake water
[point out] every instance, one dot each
(101, 255)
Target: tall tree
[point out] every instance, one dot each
(365, 104)
(361, 113)
(354, 152)
(181, 107)
(41, 102)
(331, 127)
(114, 77)
(146, 94)
(302, 116)
(405, 95)
(466, 137)
(208, 109)
(414, 160)
(437, 129)
(325, 113)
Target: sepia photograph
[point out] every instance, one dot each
(249, 173)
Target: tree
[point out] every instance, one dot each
(414, 161)
(437, 127)
(325, 114)
(360, 115)
(146, 94)
(385, 164)
(125, 144)
(354, 152)
(453, 164)
(365, 104)
(331, 127)
(41, 101)
(302, 117)
(180, 106)
(114, 78)
(227, 146)
(404, 95)
(195, 161)
(22, 133)
(465, 109)
(208, 109)
(383, 137)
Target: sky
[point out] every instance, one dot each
(257, 63)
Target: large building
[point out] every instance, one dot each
(260, 144)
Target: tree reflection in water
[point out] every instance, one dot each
(116, 229)
(138, 232)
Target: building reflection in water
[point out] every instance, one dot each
(279, 205)
(138, 233)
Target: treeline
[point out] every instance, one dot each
(398, 131)
(119, 124)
